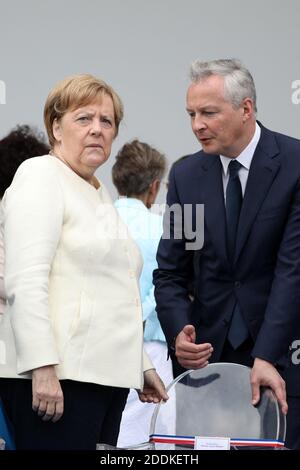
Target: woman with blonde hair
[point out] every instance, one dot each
(73, 323)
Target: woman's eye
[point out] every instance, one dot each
(106, 123)
(83, 118)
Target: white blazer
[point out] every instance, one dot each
(71, 280)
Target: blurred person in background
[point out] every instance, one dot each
(137, 175)
(21, 143)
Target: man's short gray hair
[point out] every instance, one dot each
(238, 81)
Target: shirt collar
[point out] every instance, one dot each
(245, 157)
(124, 201)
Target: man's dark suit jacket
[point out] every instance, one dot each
(265, 275)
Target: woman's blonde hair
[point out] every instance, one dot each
(76, 91)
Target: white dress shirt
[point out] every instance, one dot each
(244, 158)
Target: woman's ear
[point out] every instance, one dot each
(56, 129)
(152, 193)
(155, 188)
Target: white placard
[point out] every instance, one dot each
(212, 443)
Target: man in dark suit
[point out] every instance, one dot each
(246, 276)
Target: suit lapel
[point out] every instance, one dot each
(214, 207)
(263, 170)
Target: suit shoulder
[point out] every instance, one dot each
(286, 140)
(289, 148)
(188, 161)
(285, 147)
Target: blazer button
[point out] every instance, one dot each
(237, 284)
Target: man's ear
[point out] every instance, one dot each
(56, 129)
(248, 109)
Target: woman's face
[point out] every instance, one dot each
(84, 136)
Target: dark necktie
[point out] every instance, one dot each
(238, 331)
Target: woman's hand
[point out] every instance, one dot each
(154, 390)
(47, 395)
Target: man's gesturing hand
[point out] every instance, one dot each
(189, 354)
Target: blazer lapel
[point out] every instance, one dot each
(214, 207)
(263, 170)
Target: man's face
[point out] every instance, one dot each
(219, 127)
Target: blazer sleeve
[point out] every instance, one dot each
(33, 218)
(175, 265)
(281, 318)
(147, 364)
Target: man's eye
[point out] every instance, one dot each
(209, 113)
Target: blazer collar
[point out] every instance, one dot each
(264, 167)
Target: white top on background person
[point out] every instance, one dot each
(137, 175)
